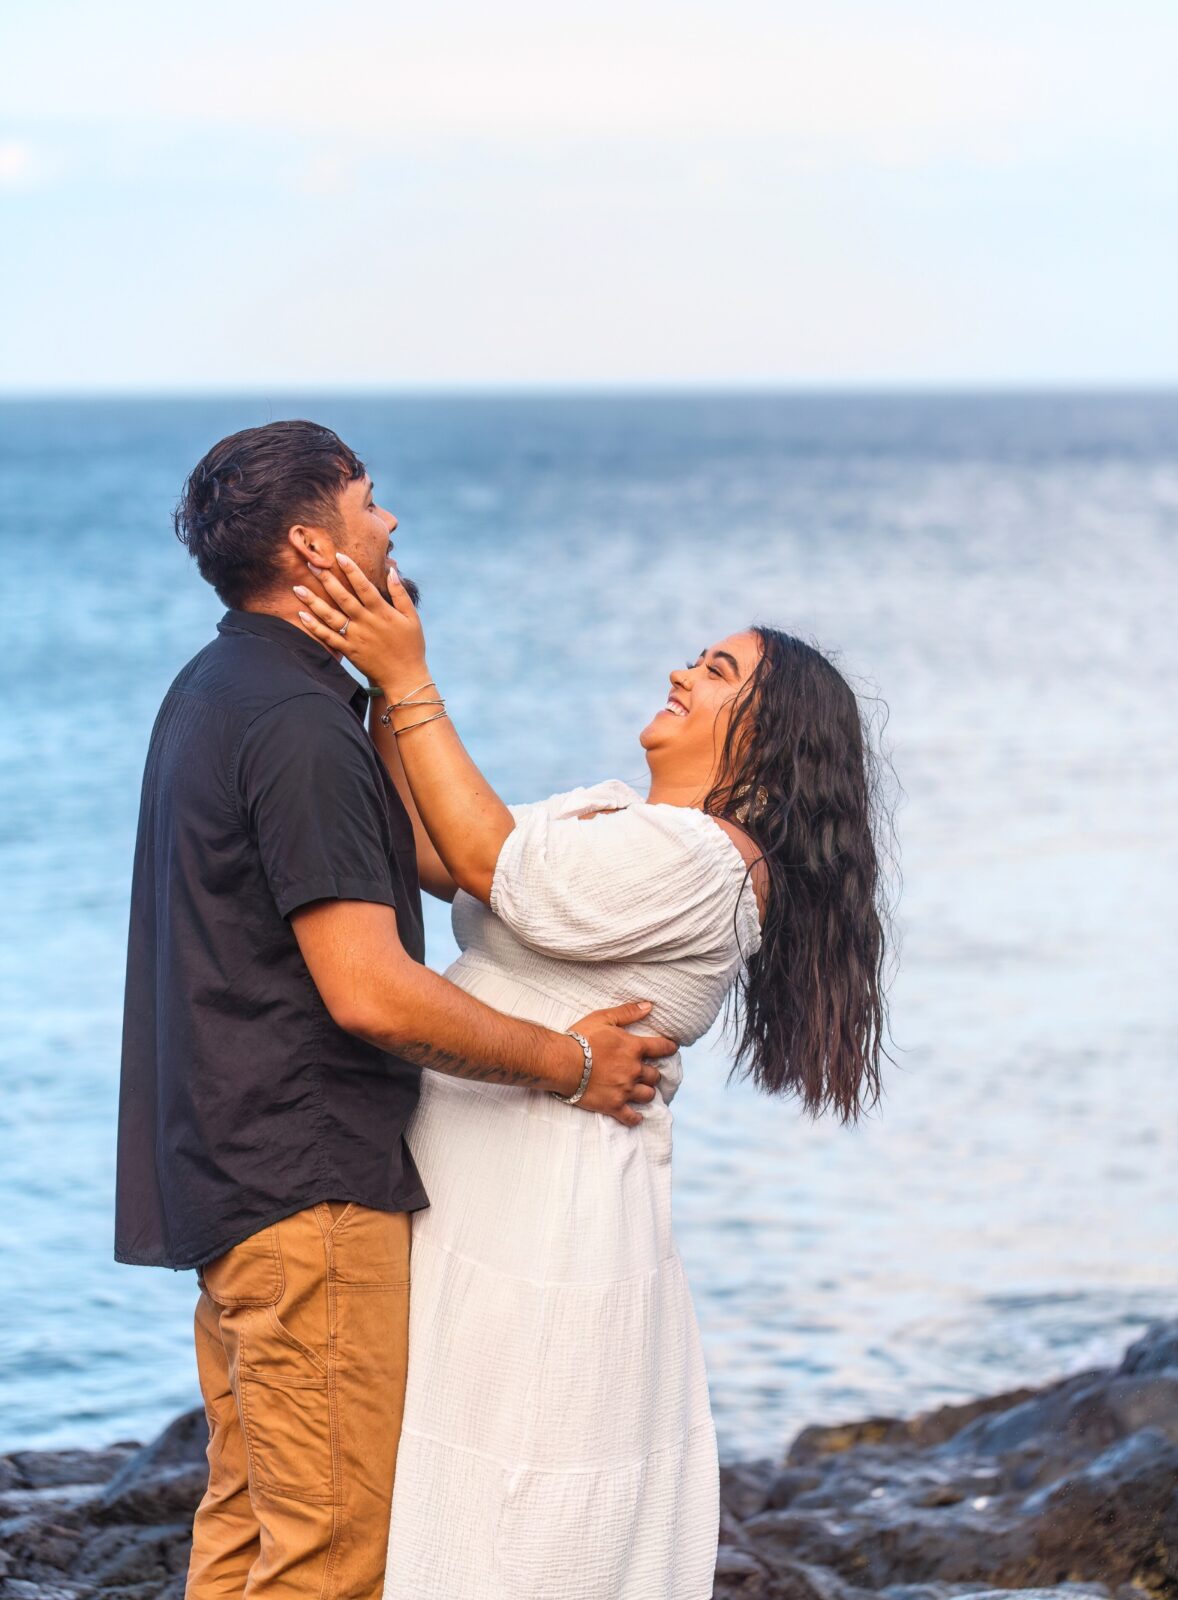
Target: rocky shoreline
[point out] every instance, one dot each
(1068, 1490)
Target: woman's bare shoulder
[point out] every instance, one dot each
(751, 854)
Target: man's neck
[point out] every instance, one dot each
(287, 612)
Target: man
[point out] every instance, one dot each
(277, 1019)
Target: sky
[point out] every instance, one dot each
(629, 193)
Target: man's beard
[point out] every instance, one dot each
(407, 584)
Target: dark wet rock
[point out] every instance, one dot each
(115, 1522)
(929, 1428)
(743, 1488)
(121, 1556)
(1069, 1492)
(1155, 1351)
(1072, 1485)
(788, 1484)
(163, 1481)
(53, 1469)
(1078, 1481)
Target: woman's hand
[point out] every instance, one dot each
(383, 638)
(465, 819)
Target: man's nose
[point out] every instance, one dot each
(392, 523)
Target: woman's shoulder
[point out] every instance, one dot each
(752, 857)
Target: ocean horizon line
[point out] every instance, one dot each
(1004, 390)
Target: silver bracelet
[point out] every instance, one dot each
(587, 1050)
(386, 716)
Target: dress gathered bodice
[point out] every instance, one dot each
(641, 902)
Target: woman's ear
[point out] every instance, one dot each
(311, 544)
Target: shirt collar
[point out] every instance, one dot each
(311, 655)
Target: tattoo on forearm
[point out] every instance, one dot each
(425, 1054)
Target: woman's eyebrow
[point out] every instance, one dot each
(723, 655)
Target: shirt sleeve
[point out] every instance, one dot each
(645, 883)
(313, 804)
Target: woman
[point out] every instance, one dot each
(557, 1439)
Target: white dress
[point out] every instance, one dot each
(558, 1442)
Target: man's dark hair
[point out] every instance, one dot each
(239, 501)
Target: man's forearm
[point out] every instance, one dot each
(434, 1024)
(373, 989)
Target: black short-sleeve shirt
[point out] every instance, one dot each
(241, 1101)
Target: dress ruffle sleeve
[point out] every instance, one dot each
(648, 882)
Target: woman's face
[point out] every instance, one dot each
(692, 726)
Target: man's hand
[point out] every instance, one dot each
(623, 1071)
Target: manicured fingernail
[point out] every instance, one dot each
(344, 561)
(311, 567)
(303, 594)
(305, 616)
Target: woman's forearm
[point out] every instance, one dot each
(431, 869)
(464, 817)
(382, 634)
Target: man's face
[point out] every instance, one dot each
(366, 532)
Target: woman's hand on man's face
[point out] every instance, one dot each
(383, 638)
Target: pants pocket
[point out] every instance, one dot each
(285, 1410)
(249, 1274)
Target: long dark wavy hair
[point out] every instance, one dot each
(797, 773)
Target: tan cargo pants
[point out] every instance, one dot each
(301, 1345)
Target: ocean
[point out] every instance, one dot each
(995, 574)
